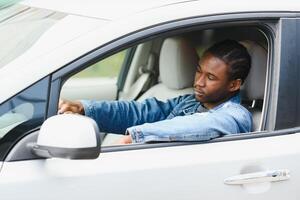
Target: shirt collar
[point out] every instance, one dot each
(235, 99)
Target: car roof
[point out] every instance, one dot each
(101, 9)
(116, 9)
(23, 72)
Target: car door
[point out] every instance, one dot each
(253, 166)
(177, 172)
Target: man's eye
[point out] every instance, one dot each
(211, 77)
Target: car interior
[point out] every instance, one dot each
(164, 68)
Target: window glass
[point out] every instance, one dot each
(21, 114)
(21, 27)
(109, 67)
(97, 82)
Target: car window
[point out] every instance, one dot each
(4, 4)
(107, 68)
(20, 27)
(252, 97)
(15, 116)
(22, 113)
(98, 81)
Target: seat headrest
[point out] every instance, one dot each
(177, 63)
(254, 86)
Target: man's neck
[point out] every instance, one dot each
(212, 105)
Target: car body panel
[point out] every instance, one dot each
(115, 9)
(182, 172)
(101, 9)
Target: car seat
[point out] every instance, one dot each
(178, 61)
(252, 91)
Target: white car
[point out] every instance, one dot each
(132, 50)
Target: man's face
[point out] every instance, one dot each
(212, 85)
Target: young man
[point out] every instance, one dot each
(213, 110)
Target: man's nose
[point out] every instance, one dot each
(200, 80)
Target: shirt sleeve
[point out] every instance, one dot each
(117, 116)
(196, 127)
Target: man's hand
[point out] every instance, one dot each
(66, 106)
(125, 140)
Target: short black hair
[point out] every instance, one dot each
(235, 55)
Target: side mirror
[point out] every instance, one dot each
(70, 136)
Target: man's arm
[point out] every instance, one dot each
(197, 127)
(117, 116)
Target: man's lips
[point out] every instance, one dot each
(199, 92)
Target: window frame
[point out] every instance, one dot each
(287, 115)
(171, 28)
(125, 68)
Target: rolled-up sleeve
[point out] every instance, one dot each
(230, 119)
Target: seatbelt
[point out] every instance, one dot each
(146, 74)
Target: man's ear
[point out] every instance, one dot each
(235, 85)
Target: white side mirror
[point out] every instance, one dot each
(68, 136)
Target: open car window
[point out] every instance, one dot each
(150, 58)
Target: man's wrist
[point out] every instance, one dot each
(86, 107)
(81, 108)
(136, 135)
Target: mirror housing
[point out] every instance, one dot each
(69, 136)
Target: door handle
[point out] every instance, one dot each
(258, 177)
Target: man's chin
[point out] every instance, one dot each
(200, 98)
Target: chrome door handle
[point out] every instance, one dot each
(258, 177)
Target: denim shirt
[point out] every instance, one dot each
(178, 119)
